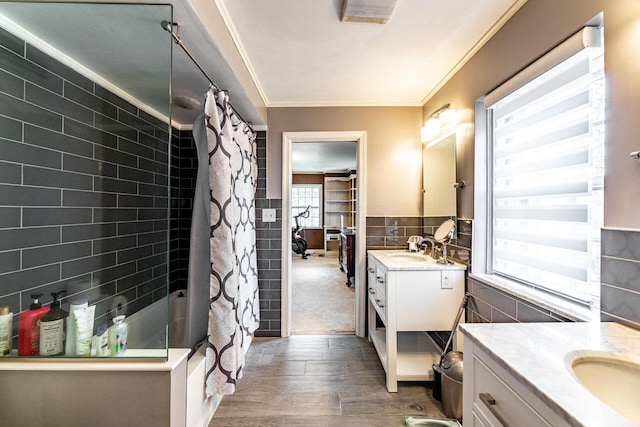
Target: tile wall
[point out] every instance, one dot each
(269, 243)
(83, 187)
(391, 232)
(184, 169)
(620, 274)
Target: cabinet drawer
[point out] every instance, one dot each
(497, 403)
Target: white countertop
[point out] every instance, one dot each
(535, 353)
(415, 261)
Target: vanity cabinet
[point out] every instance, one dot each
(405, 303)
(494, 397)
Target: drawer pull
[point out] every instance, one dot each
(379, 305)
(380, 279)
(490, 403)
(371, 270)
(371, 291)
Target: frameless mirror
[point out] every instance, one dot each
(439, 177)
(445, 232)
(85, 135)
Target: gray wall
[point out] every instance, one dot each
(534, 29)
(537, 27)
(83, 188)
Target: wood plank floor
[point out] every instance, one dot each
(320, 380)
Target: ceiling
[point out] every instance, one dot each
(300, 53)
(322, 157)
(266, 53)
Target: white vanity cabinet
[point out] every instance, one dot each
(492, 397)
(407, 299)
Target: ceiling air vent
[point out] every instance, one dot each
(370, 11)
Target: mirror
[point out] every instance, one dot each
(439, 177)
(445, 232)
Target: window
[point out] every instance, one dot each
(303, 195)
(545, 164)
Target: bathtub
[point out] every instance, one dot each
(148, 329)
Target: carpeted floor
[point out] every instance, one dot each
(321, 303)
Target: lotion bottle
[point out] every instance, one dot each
(118, 336)
(70, 342)
(6, 331)
(29, 328)
(52, 329)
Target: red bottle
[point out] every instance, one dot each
(29, 328)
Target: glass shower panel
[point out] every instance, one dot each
(85, 143)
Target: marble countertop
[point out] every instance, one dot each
(405, 260)
(537, 354)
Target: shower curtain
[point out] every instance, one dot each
(233, 281)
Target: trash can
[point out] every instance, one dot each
(452, 385)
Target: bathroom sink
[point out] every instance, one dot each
(612, 378)
(409, 256)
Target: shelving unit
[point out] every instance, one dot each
(339, 208)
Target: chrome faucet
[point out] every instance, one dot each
(424, 242)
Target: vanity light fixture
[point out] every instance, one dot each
(440, 124)
(635, 155)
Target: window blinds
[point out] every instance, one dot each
(547, 175)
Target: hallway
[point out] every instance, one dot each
(320, 380)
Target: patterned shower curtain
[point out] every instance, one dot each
(234, 309)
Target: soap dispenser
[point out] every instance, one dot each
(52, 329)
(29, 328)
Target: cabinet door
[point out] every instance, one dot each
(498, 403)
(424, 302)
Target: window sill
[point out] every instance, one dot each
(556, 305)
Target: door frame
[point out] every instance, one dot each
(288, 138)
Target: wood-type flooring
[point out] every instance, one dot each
(320, 380)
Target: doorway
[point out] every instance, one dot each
(288, 139)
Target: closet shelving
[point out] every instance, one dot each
(339, 208)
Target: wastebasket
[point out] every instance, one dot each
(452, 384)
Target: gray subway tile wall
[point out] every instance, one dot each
(184, 169)
(391, 232)
(620, 274)
(269, 246)
(83, 188)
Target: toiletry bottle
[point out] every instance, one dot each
(118, 336)
(83, 318)
(29, 328)
(6, 331)
(100, 344)
(70, 343)
(52, 329)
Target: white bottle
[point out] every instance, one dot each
(118, 336)
(6, 331)
(70, 344)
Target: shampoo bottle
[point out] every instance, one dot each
(52, 329)
(29, 328)
(6, 331)
(118, 336)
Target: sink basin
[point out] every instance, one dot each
(612, 378)
(409, 256)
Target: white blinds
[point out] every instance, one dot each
(548, 172)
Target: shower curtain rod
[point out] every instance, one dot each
(168, 27)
